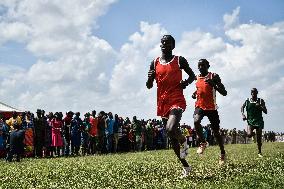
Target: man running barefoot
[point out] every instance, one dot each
(254, 108)
(207, 84)
(167, 71)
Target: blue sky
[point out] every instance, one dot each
(94, 54)
(124, 16)
(123, 19)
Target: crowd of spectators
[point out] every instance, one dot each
(55, 135)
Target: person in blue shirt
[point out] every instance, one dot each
(3, 136)
(109, 132)
(116, 126)
(76, 128)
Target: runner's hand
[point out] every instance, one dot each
(193, 95)
(244, 118)
(183, 84)
(151, 74)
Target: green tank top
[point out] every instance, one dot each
(254, 114)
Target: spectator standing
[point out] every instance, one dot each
(16, 143)
(67, 132)
(39, 128)
(117, 124)
(76, 129)
(48, 148)
(93, 132)
(85, 134)
(137, 130)
(56, 132)
(4, 132)
(109, 132)
(101, 132)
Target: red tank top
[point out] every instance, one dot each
(94, 126)
(169, 91)
(206, 94)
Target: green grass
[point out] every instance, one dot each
(154, 169)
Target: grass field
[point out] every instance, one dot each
(154, 169)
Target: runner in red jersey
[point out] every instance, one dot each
(167, 71)
(169, 91)
(207, 84)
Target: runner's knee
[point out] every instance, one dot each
(197, 119)
(216, 130)
(174, 141)
(173, 121)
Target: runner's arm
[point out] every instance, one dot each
(185, 66)
(242, 110)
(151, 76)
(263, 107)
(218, 85)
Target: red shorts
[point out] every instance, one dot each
(164, 109)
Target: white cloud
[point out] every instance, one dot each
(231, 20)
(16, 31)
(197, 44)
(52, 29)
(129, 75)
(78, 71)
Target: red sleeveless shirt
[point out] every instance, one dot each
(169, 91)
(205, 93)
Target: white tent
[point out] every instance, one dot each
(7, 108)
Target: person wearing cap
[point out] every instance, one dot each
(39, 129)
(207, 84)
(254, 108)
(167, 71)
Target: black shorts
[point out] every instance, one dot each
(212, 115)
(254, 127)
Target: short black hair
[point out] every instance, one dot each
(254, 89)
(102, 113)
(14, 113)
(203, 60)
(171, 38)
